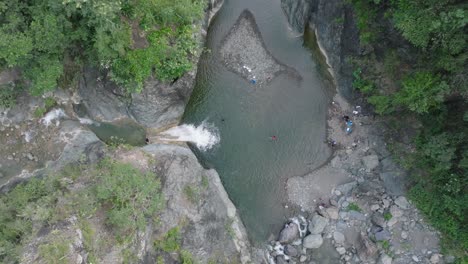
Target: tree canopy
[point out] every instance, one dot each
(42, 37)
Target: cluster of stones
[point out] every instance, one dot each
(362, 228)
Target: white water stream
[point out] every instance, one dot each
(205, 136)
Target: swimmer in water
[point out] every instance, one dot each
(273, 138)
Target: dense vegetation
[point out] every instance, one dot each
(425, 74)
(126, 197)
(50, 40)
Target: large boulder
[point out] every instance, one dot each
(367, 250)
(312, 241)
(99, 97)
(402, 202)
(317, 224)
(370, 162)
(289, 233)
(162, 104)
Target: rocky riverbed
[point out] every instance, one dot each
(353, 208)
(355, 204)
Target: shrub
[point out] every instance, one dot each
(421, 92)
(133, 196)
(170, 242)
(8, 95)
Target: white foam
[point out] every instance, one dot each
(55, 114)
(85, 121)
(205, 136)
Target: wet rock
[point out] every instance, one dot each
(370, 162)
(289, 233)
(291, 251)
(332, 212)
(312, 241)
(384, 259)
(402, 202)
(338, 237)
(317, 224)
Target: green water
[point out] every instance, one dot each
(253, 168)
(121, 132)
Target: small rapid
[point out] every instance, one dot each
(205, 136)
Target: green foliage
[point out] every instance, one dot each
(169, 61)
(438, 28)
(387, 216)
(170, 242)
(127, 197)
(26, 205)
(354, 207)
(434, 92)
(228, 227)
(132, 196)
(205, 183)
(55, 251)
(49, 102)
(186, 257)
(359, 83)
(8, 95)
(37, 35)
(192, 194)
(422, 92)
(382, 103)
(366, 13)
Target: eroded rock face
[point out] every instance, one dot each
(99, 98)
(244, 53)
(320, 16)
(213, 228)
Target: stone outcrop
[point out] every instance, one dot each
(335, 30)
(209, 225)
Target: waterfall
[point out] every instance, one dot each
(205, 136)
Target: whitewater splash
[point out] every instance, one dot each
(205, 136)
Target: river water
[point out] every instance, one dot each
(253, 167)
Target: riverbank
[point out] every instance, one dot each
(354, 205)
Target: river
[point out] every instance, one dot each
(252, 166)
